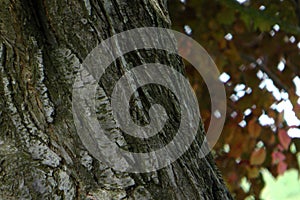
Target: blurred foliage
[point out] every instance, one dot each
(257, 44)
(289, 183)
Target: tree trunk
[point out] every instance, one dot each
(41, 155)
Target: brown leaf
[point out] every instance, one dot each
(253, 172)
(236, 143)
(268, 137)
(254, 128)
(258, 156)
(297, 110)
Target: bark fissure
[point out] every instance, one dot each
(43, 44)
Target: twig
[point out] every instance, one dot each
(266, 70)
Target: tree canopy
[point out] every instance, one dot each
(255, 45)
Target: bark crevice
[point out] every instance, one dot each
(43, 44)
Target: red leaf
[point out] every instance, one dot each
(281, 167)
(280, 147)
(277, 157)
(232, 177)
(284, 138)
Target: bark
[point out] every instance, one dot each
(41, 155)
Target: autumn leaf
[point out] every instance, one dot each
(254, 128)
(277, 157)
(267, 136)
(236, 144)
(284, 138)
(232, 177)
(297, 110)
(252, 172)
(258, 156)
(281, 167)
(280, 147)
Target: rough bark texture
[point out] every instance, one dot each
(41, 155)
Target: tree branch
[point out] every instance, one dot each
(266, 70)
